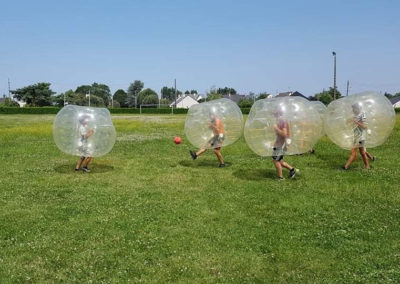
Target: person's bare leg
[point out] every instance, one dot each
(353, 156)
(79, 164)
(365, 158)
(286, 165)
(217, 152)
(87, 162)
(278, 168)
(372, 158)
(201, 151)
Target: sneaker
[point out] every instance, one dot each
(86, 170)
(373, 159)
(221, 165)
(312, 151)
(292, 173)
(281, 179)
(193, 154)
(76, 170)
(343, 168)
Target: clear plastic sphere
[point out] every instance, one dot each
(214, 124)
(361, 120)
(84, 131)
(321, 109)
(269, 117)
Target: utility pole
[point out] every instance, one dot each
(135, 98)
(347, 89)
(9, 91)
(334, 75)
(175, 93)
(88, 95)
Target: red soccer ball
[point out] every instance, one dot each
(177, 140)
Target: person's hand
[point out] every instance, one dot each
(221, 135)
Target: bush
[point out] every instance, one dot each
(54, 110)
(29, 110)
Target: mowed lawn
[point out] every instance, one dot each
(147, 212)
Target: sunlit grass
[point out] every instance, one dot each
(147, 212)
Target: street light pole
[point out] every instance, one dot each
(334, 75)
(135, 98)
(175, 93)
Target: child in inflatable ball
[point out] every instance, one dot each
(84, 133)
(282, 132)
(215, 142)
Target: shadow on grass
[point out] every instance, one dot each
(255, 174)
(332, 160)
(94, 169)
(202, 163)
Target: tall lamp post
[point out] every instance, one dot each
(334, 75)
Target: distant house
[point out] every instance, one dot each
(185, 101)
(395, 102)
(235, 98)
(291, 94)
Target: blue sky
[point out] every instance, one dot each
(252, 46)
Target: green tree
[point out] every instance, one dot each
(121, 97)
(164, 102)
(133, 91)
(79, 99)
(246, 102)
(35, 95)
(226, 91)
(388, 95)
(147, 96)
(83, 89)
(169, 93)
(262, 96)
(193, 92)
(187, 92)
(69, 96)
(213, 96)
(99, 90)
(102, 91)
(327, 96)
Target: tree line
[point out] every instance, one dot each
(40, 94)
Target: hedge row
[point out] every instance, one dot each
(54, 110)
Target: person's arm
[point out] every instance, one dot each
(361, 124)
(220, 128)
(281, 132)
(361, 121)
(89, 133)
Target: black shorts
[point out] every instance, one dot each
(278, 154)
(216, 141)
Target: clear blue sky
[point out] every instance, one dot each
(248, 45)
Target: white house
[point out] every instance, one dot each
(21, 103)
(185, 101)
(395, 102)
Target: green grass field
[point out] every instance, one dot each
(147, 212)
